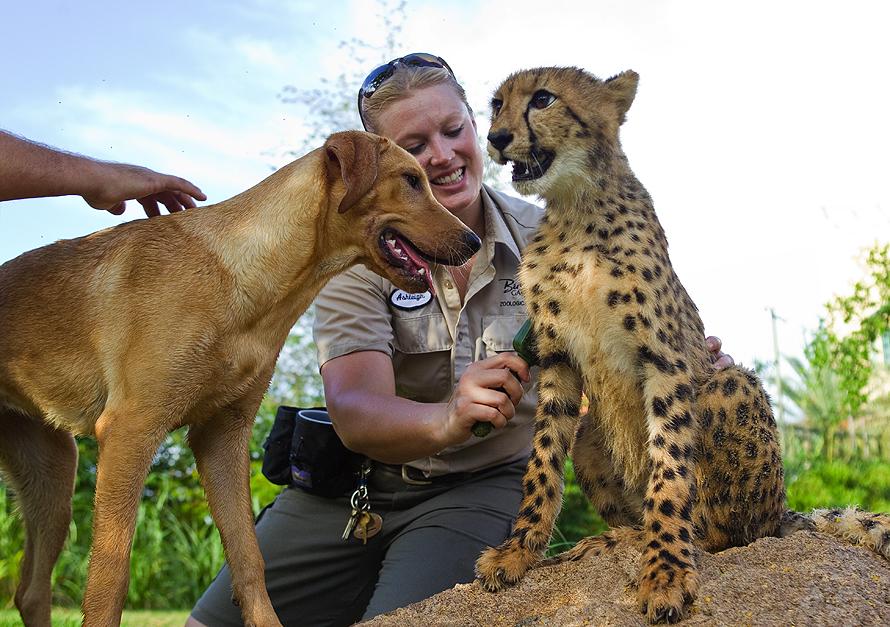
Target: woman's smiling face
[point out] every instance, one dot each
(434, 125)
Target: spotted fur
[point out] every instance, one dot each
(674, 455)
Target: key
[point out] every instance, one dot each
(351, 523)
(361, 528)
(372, 527)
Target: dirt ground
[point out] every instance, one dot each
(805, 579)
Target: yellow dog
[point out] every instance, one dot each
(134, 331)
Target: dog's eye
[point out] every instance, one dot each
(542, 99)
(413, 181)
(496, 104)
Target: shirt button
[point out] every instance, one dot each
(448, 285)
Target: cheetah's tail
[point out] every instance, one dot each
(851, 524)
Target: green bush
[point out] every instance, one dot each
(821, 484)
(577, 519)
(176, 548)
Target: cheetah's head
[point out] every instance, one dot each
(557, 124)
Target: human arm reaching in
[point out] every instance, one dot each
(32, 170)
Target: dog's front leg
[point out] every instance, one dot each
(221, 447)
(127, 442)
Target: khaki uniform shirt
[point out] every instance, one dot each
(433, 340)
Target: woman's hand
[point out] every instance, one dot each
(719, 359)
(487, 391)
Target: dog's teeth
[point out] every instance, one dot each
(421, 271)
(398, 251)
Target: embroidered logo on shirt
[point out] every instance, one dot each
(403, 300)
(511, 290)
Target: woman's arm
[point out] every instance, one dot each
(372, 420)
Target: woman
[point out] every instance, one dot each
(405, 380)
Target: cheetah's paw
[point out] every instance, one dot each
(665, 591)
(498, 568)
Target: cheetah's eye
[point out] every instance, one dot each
(542, 99)
(496, 104)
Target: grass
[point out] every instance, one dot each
(131, 618)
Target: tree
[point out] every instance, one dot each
(846, 338)
(819, 397)
(837, 379)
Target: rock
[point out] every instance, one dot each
(804, 579)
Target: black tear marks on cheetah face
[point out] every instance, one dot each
(552, 122)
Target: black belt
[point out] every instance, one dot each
(412, 476)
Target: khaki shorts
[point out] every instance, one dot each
(431, 537)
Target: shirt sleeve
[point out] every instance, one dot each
(352, 314)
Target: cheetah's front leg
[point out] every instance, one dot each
(559, 390)
(668, 578)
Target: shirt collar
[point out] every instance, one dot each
(496, 231)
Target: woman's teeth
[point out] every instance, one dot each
(454, 177)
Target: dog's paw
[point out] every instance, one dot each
(665, 591)
(504, 566)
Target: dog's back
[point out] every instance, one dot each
(67, 332)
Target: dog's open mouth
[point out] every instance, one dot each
(540, 162)
(403, 255)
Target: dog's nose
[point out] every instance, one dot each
(500, 139)
(472, 243)
(469, 246)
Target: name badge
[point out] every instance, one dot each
(401, 299)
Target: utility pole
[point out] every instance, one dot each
(777, 357)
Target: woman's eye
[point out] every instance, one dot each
(455, 132)
(415, 150)
(542, 99)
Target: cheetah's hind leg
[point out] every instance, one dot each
(597, 545)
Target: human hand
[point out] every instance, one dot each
(488, 392)
(115, 183)
(719, 359)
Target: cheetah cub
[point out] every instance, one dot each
(673, 454)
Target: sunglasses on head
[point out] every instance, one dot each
(381, 74)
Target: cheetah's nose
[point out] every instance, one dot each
(500, 139)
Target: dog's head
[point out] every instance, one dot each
(382, 199)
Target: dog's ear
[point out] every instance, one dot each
(352, 156)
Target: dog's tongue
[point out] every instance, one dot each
(420, 262)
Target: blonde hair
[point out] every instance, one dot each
(404, 80)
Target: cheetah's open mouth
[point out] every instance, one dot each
(541, 161)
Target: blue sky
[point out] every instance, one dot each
(760, 128)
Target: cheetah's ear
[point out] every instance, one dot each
(623, 88)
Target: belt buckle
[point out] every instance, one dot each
(408, 480)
